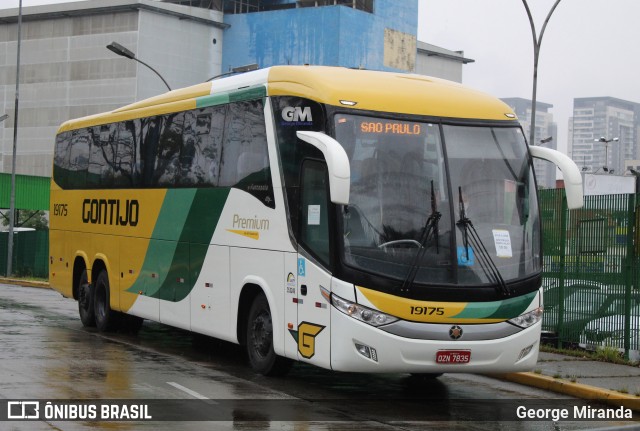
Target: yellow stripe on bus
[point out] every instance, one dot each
(114, 117)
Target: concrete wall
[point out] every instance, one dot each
(65, 72)
(185, 55)
(439, 67)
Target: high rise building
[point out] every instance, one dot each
(545, 128)
(609, 118)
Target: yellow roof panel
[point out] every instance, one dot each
(386, 91)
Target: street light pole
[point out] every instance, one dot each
(537, 41)
(606, 141)
(12, 200)
(120, 50)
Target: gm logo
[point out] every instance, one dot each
(300, 116)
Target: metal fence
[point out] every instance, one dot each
(30, 253)
(591, 272)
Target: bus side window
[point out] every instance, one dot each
(150, 137)
(245, 160)
(314, 221)
(127, 153)
(61, 159)
(100, 172)
(201, 145)
(167, 169)
(245, 137)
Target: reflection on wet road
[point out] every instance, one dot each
(45, 353)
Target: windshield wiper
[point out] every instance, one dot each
(484, 258)
(430, 228)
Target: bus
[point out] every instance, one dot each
(355, 220)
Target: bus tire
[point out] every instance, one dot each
(262, 357)
(106, 318)
(85, 301)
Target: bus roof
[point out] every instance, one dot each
(369, 90)
(386, 91)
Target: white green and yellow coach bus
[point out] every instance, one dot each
(351, 219)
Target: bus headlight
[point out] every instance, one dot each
(361, 313)
(527, 319)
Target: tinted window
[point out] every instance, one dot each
(167, 167)
(100, 172)
(222, 145)
(293, 151)
(126, 155)
(201, 147)
(245, 159)
(314, 220)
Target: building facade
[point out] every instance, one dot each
(545, 128)
(616, 121)
(379, 36)
(439, 62)
(67, 72)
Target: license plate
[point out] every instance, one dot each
(453, 356)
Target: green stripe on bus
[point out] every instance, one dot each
(251, 93)
(179, 242)
(514, 307)
(201, 223)
(164, 241)
(213, 100)
(507, 309)
(173, 214)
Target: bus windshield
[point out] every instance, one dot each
(452, 204)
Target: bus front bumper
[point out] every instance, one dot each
(358, 347)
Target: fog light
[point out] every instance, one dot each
(367, 352)
(524, 352)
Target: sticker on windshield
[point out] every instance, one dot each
(502, 241)
(313, 215)
(465, 256)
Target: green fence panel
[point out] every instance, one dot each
(591, 271)
(30, 253)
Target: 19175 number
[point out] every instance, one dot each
(427, 311)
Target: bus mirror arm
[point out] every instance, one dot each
(570, 172)
(337, 164)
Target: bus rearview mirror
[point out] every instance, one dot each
(570, 172)
(337, 164)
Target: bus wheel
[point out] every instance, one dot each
(262, 357)
(106, 318)
(85, 301)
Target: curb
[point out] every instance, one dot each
(25, 283)
(577, 390)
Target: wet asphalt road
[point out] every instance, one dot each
(45, 353)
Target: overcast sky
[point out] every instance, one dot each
(588, 48)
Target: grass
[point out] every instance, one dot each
(603, 354)
(608, 354)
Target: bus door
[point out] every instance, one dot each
(313, 332)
